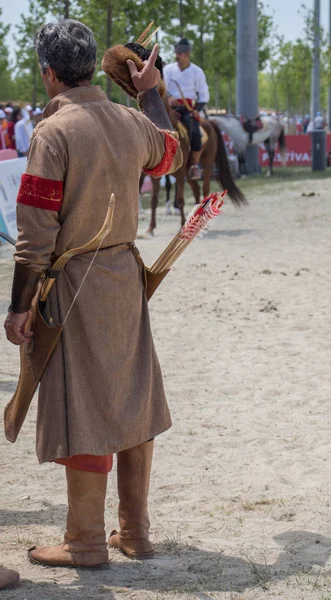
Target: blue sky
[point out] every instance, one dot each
(285, 14)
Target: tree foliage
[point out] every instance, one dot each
(5, 79)
(210, 25)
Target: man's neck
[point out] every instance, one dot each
(183, 68)
(61, 88)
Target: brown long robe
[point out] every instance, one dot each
(102, 390)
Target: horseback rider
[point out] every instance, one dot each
(188, 93)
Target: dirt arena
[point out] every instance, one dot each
(241, 490)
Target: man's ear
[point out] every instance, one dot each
(51, 76)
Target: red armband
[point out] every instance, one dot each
(171, 145)
(40, 193)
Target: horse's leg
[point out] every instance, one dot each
(141, 181)
(195, 187)
(207, 174)
(242, 164)
(175, 197)
(168, 190)
(271, 161)
(180, 181)
(268, 149)
(154, 204)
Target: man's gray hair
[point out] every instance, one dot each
(68, 47)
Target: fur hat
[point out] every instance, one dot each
(114, 63)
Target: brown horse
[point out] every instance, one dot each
(213, 151)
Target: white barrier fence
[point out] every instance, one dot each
(10, 178)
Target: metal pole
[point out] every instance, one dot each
(315, 101)
(247, 70)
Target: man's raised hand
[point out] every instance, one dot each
(149, 76)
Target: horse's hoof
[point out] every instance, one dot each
(150, 232)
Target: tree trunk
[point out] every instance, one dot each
(201, 5)
(108, 42)
(66, 12)
(275, 88)
(229, 94)
(181, 20)
(217, 89)
(34, 74)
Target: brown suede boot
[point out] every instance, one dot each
(84, 542)
(8, 578)
(195, 172)
(133, 475)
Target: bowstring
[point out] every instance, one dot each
(83, 280)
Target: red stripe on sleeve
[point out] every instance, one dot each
(171, 145)
(40, 193)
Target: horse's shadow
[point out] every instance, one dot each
(184, 569)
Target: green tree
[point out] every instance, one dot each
(107, 20)
(61, 8)
(28, 81)
(5, 78)
(219, 45)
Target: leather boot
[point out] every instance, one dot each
(195, 171)
(8, 578)
(133, 475)
(84, 542)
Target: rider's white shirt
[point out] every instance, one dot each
(192, 82)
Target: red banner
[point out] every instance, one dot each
(298, 151)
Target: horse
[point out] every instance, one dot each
(264, 129)
(213, 152)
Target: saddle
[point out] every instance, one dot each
(251, 125)
(183, 132)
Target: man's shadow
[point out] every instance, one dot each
(183, 569)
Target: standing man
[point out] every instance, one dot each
(37, 116)
(3, 130)
(188, 93)
(23, 131)
(319, 122)
(102, 390)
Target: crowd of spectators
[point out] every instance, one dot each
(16, 126)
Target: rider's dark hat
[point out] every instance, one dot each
(183, 46)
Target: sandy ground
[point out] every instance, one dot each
(240, 494)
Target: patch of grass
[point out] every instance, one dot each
(249, 184)
(286, 516)
(260, 572)
(282, 176)
(314, 580)
(254, 504)
(171, 543)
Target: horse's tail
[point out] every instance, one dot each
(224, 172)
(282, 145)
